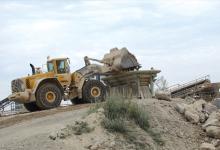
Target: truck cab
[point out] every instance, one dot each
(61, 69)
(59, 65)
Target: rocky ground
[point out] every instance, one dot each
(176, 132)
(76, 129)
(206, 115)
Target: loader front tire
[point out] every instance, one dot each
(31, 106)
(93, 91)
(48, 96)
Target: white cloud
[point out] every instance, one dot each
(36, 26)
(46, 25)
(14, 6)
(186, 7)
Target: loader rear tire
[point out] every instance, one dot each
(93, 91)
(31, 106)
(48, 96)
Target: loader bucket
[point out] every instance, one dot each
(120, 59)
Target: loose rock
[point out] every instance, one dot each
(213, 131)
(180, 108)
(213, 120)
(53, 136)
(192, 116)
(216, 143)
(207, 146)
(161, 95)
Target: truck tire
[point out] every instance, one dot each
(31, 106)
(93, 91)
(48, 96)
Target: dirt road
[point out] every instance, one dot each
(23, 131)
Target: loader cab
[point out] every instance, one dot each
(59, 66)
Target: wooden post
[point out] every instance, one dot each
(152, 86)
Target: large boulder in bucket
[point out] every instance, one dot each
(120, 59)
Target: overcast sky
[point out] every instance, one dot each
(180, 37)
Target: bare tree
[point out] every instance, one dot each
(161, 84)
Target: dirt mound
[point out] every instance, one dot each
(174, 130)
(79, 130)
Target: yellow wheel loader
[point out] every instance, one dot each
(41, 91)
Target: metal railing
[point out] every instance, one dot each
(4, 103)
(177, 87)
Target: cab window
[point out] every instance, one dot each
(50, 67)
(61, 67)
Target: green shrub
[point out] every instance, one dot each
(118, 112)
(119, 108)
(114, 125)
(139, 115)
(115, 108)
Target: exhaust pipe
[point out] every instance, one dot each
(33, 69)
